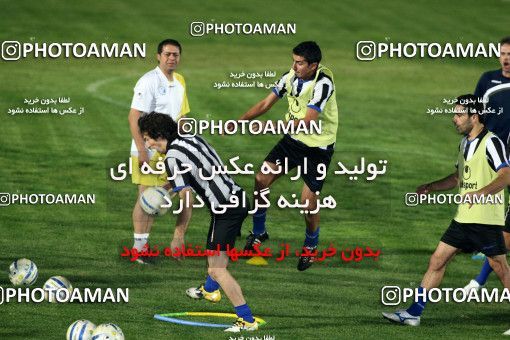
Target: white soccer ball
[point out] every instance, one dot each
(153, 198)
(80, 330)
(55, 289)
(23, 272)
(108, 331)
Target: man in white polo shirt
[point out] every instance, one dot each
(160, 90)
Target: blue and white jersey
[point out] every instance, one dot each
(495, 89)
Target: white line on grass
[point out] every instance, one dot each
(93, 89)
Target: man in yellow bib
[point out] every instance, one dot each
(310, 92)
(482, 171)
(159, 90)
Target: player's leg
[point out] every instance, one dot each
(218, 271)
(479, 281)
(280, 154)
(311, 241)
(437, 265)
(315, 158)
(432, 278)
(142, 223)
(182, 222)
(434, 275)
(500, 266)
(262, 182)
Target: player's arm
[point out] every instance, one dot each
(180, 184)
(311, 114)
(447, 183)
(261, 107)
(142, 98)
(182, 223)
(498, 184)
(495, 152)
(133, 117)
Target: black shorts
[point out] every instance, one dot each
(295, 152)
(471, 237)
(224, 228)
(506, 229)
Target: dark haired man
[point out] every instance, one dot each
(310, 92)
(161, 90)
(198, 158)
(482, 171)
(494, 88)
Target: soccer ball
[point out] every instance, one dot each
(153, 198)
(80, 330)
(54, 289)
(108, 331)
(23, 272)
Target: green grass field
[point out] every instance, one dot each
(382, 108)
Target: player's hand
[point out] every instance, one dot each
(177, 242)
(143, 157)
(470, 196)
(423, 189)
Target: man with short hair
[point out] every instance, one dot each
(310, 91)
(494, 88)
(162, 90)
(187, 160)
(482, 171)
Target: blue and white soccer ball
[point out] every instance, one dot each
(23, 272)
(80, 330)
(108, 331)
(153, 198)
(55, 289)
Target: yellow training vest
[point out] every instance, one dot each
(474, 175)
(298, 107)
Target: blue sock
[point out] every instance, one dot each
(484, 273)
(312, 238)
(211, 285)
(259, 221)
(417, 307)
(244, 312)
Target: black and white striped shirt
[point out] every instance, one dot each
(494, 150)
(197, 155)
(322, 90)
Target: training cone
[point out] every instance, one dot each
(257, 261)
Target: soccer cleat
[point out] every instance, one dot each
(254, 239)
(478, 256)
(507, 332)
(472, 285)
(306, 262)
(201, 293)
(242, 325)
(402, 317)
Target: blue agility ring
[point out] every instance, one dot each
(169, 317)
